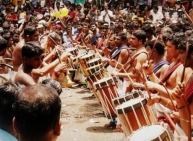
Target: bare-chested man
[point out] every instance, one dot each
(138, 57)
(30, 34)
(32, 66)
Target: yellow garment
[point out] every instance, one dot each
(140, 18)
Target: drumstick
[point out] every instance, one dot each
(132, 82)
(182, 78)
(153, 49)
(57, 53)
(169, 118)
(145, 80)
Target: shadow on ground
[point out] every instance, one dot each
(100, 129)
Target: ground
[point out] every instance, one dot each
(83, 118)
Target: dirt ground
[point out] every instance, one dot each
(83, 118)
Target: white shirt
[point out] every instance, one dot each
(156, 16)
(107, 18)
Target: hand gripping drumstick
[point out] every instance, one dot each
(166, 114)
(117, 63)
(57, 53)
(186, 105)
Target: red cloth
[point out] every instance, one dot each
(72, 15)
(169, 72)
(189, 89)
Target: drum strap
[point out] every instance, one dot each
(131, 59)
(159, 65)
(189, 89)
(169, 72)
(115, 53)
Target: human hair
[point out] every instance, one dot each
(140, 35)
(31, 49)
(7, 36)
(148, 28)
(176, 38)
(123, 36)
(8, 94)
(29, 30)
(54, 36)
(165, 36)
(37, 111)
(3, 43)
(158, 46)
(54, 84)
(155, 7)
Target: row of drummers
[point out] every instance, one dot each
(136, 116)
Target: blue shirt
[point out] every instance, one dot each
(5, 136)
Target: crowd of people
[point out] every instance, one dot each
(148, 45)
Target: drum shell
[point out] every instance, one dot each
(94, 78)
(128, 119)
(107, 91)
(92, 70)
(84, 59)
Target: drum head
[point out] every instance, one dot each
(130, 105)
(93, 62)
(149, 133)
(125, 98)
(105, 82)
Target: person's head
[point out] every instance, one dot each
(79, 27)
(137, 23)
(86, 27)
(155, 9)
(53, 38)
(112, 41)
(54, 84)
(157, 47)
(121, 39)
(148, 29)
(31, 33)
(106, 6)
(93, 27)
(183, 47)
(119, 29)
(32, 54)
(15, 36)
(172, 45)
(138, 38)
(8, 94)
(3, 46)
(37, 113)
(8, 37)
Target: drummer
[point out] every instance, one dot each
(178, 93)
(134, 61)
(33, 66)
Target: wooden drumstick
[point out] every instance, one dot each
(153, 49)
(182, 79)
(132, 82)
(57, 53)
(169, 118)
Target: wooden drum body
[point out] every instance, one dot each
(134, 114)
(84, 59)
(107, 90)
(94, 78)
